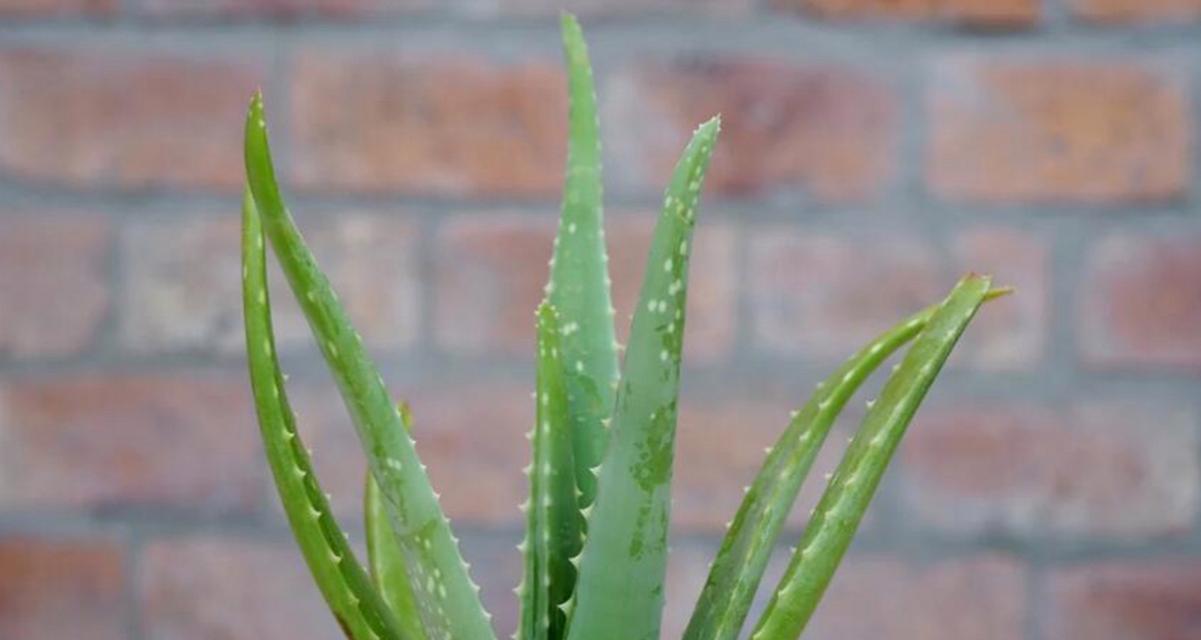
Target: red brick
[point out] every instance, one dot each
(57, 8)
(1095, 469)
(979, 598)
(1142, 301)
(123, 119)
(1134, 11)
(202, 587)
(183, 282)
(605, 8)
(827, 295)
(70, 588)
(1008, 334)
(981, 13)
(279, 9)
(491, 271)
(1126, 600)
(827, 129)
(1057, 131)
(421, 124)
(54, 290)
(110, 440)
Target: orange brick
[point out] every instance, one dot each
(1132, 11)
(1154, 599)
(123, 119)
(1142, 301)
(62, 588)
(828, 130)
(428, 125)
(111, 441)
(981, 13)
(1098, 468)
(1087, 132)
(54, 290)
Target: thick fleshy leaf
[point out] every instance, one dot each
(836, 518)
(346, 587)
(579, 277)
(554, 526)
(742, 558)
(619, 593)
(385, 558)
(447, 598)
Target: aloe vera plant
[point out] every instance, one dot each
(595, 548)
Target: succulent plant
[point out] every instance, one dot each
(595, 548)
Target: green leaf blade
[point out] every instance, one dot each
(840, 510)
(347, 590)
(449, 600)
(579, 278)
(620, 586)
(746, 548)
(554, 526)
(386, 561)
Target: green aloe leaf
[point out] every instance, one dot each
(358, 608)
(579, 278)
(554, 526)
(385, 558)
(836, 518)
(738, 568)
(619, 593)
(448, 599)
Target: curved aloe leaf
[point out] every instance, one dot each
(619, 593)
(385, 559)
(738, 568)
(841, 508)
(359, 610)
(448, 599)
(579, 278)
(554, 526)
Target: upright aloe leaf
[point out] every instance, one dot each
(841, 508)
(448, 599)
(738, 568)
(359, 610)
(579, 280)
(619, 593)
(385, 558)
(554, 526)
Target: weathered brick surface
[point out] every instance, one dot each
(491, 270)
(980, 13)
(826, 129)
(1156, 599)
(1009, 130)
(201, 587)
(1118, 12)
(340, 10)
(114, 441)
(122, 118)
(1142, 298)
(183, 287)
(54, 293)
(587, 9)
(57, 8)
(1098, 469)
(976, 598)
(61, 588)
(419, 124)
(827, 294)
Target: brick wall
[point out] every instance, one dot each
(873, 150)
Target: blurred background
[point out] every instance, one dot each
(873, 151)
